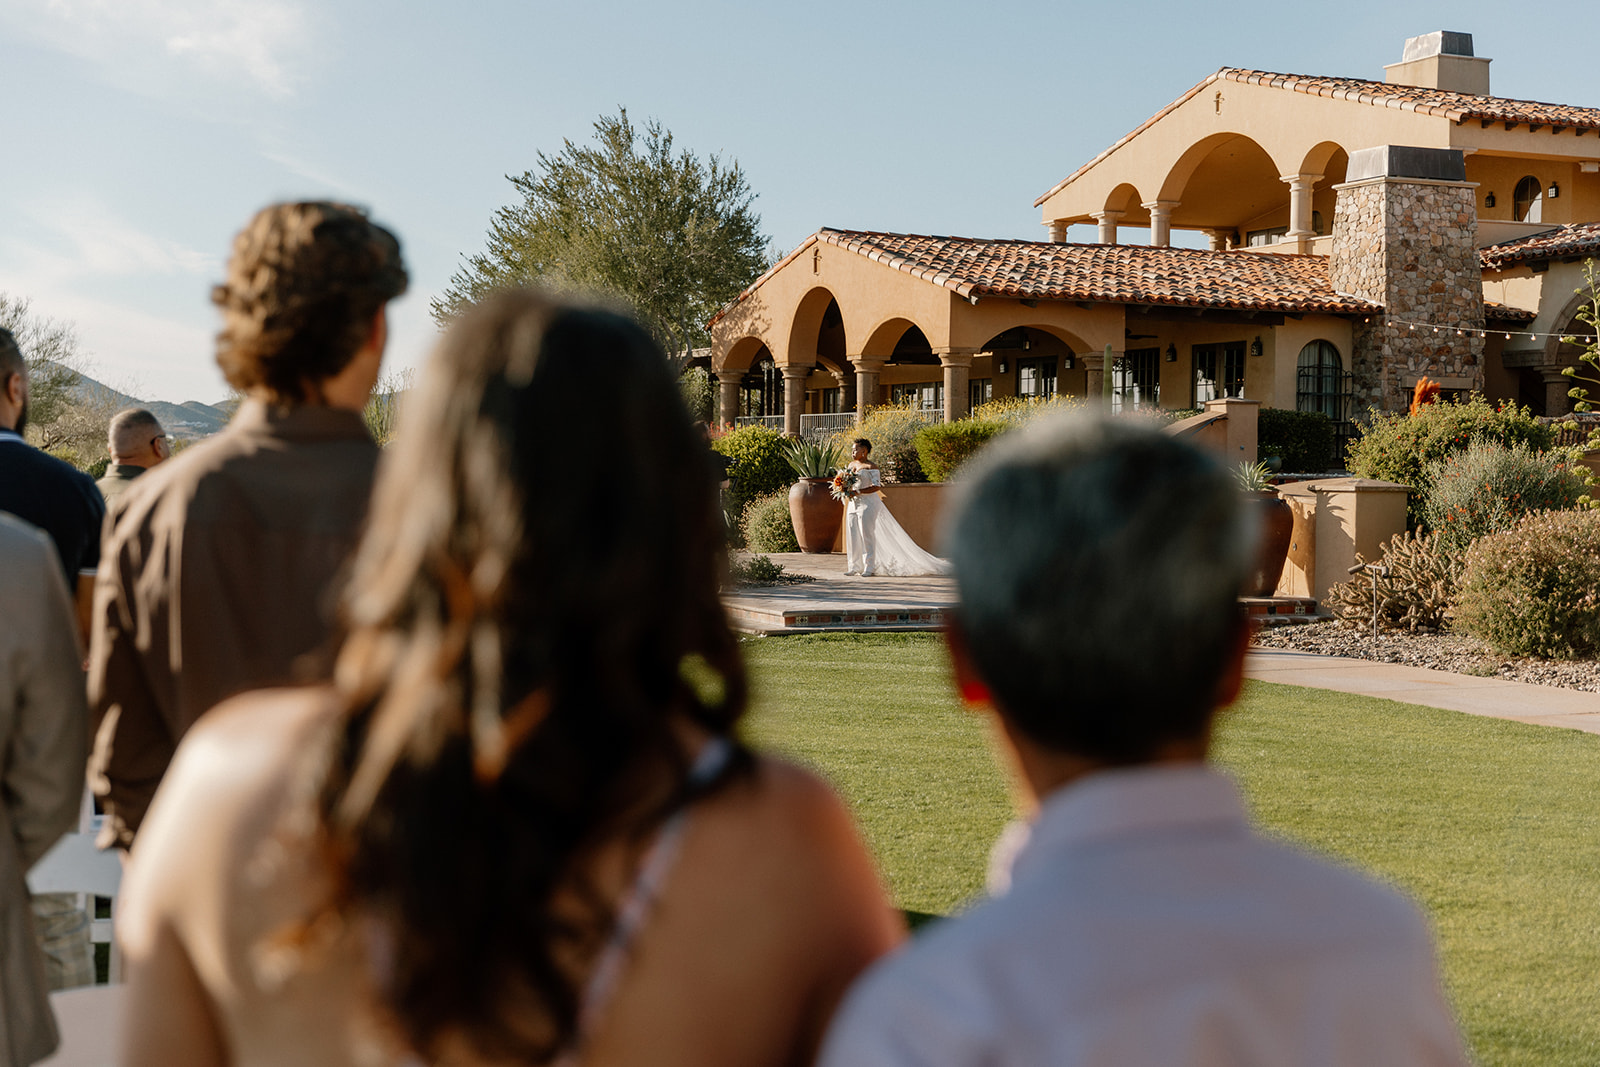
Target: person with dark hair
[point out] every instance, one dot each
(218, 564)
(518, 825)
(874, 543)
(1137, 918)
(135, 442)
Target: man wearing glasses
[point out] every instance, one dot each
(136, 443)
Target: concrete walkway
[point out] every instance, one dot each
(1541, 705)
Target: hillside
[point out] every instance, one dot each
(189, 420)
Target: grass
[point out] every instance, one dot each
(1493, 826)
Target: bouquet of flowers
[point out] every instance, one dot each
(844, 484)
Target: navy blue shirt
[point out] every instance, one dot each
(56, 497)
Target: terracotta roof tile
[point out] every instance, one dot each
(1493, 312)
(1562, 242)
(1116, 274)
(1457, 107)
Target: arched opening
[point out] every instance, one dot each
(1027, 362)
(1324, 385)
(1228, 183)
(1332, 162)
(1126, 199)
(1528, 203)
(761, 390)
(818, 328)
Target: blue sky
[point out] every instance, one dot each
(140, 134)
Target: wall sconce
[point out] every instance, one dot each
(1555, 190)
(1066, 362)
(1255, 346)
(1003, 366)
(1488, 201)
(1172, 353)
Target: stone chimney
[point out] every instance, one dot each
(1405, 229)
(1441, 60)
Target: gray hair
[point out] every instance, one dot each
(1099, 562)
(131, 430)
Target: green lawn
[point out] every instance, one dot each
(1494, 826)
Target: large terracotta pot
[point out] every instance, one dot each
(1277, 528)
(816, 515)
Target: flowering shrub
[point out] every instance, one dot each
(1403, 448)
(767, 525)
(944, 446)
(893, 432)
(1489, 487)
(1534, 590)
(758, 466)
(1016, 411)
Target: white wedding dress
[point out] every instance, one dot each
(875, 544)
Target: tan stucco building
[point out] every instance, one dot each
(1361, 234)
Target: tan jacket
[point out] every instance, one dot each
(44, 740)
(218, 574)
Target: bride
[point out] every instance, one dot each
(874, 543)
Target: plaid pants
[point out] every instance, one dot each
(63, 930)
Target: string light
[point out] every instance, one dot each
(1472, 331)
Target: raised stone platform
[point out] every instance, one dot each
(1282, 610)
(837, 602)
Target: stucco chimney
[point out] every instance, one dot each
(1405, 230)
(1441, 60)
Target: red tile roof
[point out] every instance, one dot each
(1562, 242)
(1114, 274)
(1457, 107)
(1493, 312)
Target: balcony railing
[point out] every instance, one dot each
(824, 425)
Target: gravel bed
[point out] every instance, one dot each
(1456, 653)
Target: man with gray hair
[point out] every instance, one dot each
(1137, 918)
(136, 442)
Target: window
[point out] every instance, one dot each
(1218, 372)
(830, 401)
(761, 391)
(979, 391)
(1528, 204)
(1322, 381)
(924, 396)
(1036, 377)
(1261, 238)
(1136, 380)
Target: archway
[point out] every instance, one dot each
(1228, 183)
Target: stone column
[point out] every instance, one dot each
(957, 364)
(794, 397)
(1108, 225)
(1160, 221)
(1094, 366)
(1556, 386)
(1219, 239)
(1058, 232)
(1300, 186)
(867, 368)
(728, 384)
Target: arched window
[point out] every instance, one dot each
(1322, 381)
(1529, 201)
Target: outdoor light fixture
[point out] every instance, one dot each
(1488, 201)
(1172, 353)
(1003, 367)
(1555, 190)
(1255, 346)
(1066, 362)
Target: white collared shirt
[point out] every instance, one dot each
(1147, 923)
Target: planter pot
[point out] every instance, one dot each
(816, 515)
(1277, 528)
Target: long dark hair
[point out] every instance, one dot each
(533, 607)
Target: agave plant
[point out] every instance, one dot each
(813, 459)
(1253, 477)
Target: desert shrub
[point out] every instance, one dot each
(755, 570)
(814, 459)
(1420, 585)
(893, 431)
(1302, 439)
(1016, 411)
(767, 526)
(1403, 448)
(944, 446)
(1534, 590)
(1489, 488)
(758, 465)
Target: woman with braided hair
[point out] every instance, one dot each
(519, 825)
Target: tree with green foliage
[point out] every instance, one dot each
(672, 235)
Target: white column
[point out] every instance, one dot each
(794, 398)
(1300, 186)
(1058, 232)
(1108, 225)
(1219, 239)
(1160, 221)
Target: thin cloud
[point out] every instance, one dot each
(222, 39)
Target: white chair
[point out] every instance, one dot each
(89, 1020)
(75, 865)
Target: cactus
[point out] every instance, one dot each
(1417, 591)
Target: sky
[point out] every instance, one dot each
(140, 135)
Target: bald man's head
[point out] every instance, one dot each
(135, 438)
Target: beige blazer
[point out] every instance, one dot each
(44, 743)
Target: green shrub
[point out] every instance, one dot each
(1534, 590)
(814, 459)
(1302, 439)
(1489, 488)
(699, 393)
(893, 431)
(756, 570)
(1017, 411)
(758, 466)
(944, 446)
(767, 526)
(1402, 448)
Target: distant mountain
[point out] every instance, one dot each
(190, 420)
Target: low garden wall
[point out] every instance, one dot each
(918, 507)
